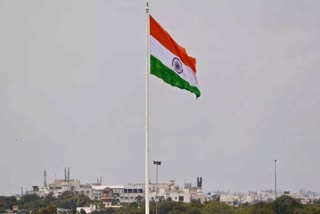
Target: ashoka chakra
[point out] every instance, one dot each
(177, 65)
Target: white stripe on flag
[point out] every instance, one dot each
(165, 56)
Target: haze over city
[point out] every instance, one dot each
(72, 87)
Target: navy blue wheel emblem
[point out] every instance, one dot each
(177, 65)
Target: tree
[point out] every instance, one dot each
(194, 207)
(110, 211)
(2, 210)
(166, 206)
(217, 207)
(7, 202)
(69, 200)
(82, 211)
(30, 198)
(32, 202)
(50, 197)
(51, 209)
(259, 208)
(176, 212)
(286, 205)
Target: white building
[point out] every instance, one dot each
(60, 186)
(40, 191)
(109, 195)
(89, 209)
(135, 192)
(97, 190)
(74, 185)
(132, 193)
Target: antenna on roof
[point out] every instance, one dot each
(199, 182)
(45, 178)
(68, 174)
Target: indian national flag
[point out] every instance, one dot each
(170, 61)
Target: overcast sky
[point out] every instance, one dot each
(72, 93)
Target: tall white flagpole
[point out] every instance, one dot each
(147, 209)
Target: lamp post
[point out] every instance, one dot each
(275, 179)
(157, 163)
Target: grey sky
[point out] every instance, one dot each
(72, 93)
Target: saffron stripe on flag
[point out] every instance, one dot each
(166, 40)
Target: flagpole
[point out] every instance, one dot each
(147, 209)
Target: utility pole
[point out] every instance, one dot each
(157, 163)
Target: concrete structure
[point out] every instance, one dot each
(107, 197)
(97, 190)
(63, 211)
(115, 195)
(89, 209)
(132, 193)
(40, 191)
(229, 199)
(135, 192)
(74, 185)
(60, 186)
(176, 193)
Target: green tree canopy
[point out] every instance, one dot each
(217, 207)
(286, 205)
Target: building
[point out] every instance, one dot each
(58, 186)
(176, 193)
(132, 193)
(99, 193)
(73, 185)
(40, 191)
(63, 211)
(112, 196)
(89, 209)
(162, 191)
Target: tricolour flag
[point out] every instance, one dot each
(170, 62)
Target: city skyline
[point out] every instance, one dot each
(99, 181)
(72, 93)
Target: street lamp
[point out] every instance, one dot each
(157, 163)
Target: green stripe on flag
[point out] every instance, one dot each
(171, 77)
